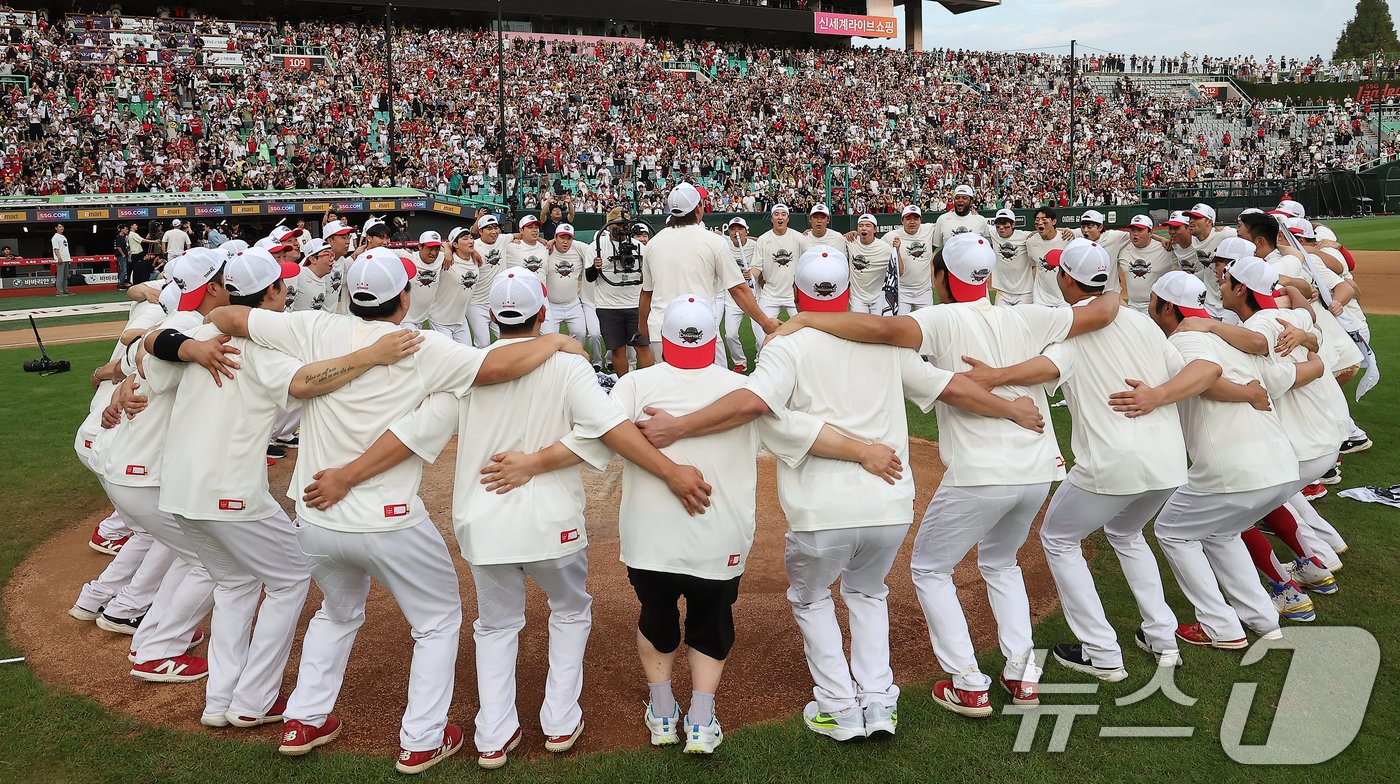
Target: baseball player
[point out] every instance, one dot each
(870, 258)
(526, 249)
(1013, 275)
(914, 242)
(1141, 262)
(337, 235)
(1197, 257)
(317, 286)
(843, 523)
(1124, 469)
(961, 219)
(776, 254)
(1047, 238)
(987, 498)
(220, 498)
(1242, 466)
(820, 232)
(744, 252)
(425, 286)
(457, 278)
(563, 279)
(537, 532)
(381, 529)
(1093, 227)
(490, 249)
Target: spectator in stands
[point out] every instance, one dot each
(552, 212)
(62, 258)
(7, 253)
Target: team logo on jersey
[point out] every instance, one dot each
(860, 263)
(135, 470)
(1205, 257)
(427, 277)
(782, 257)
(1139, 268)
(917, 249)
(980, 276)
(1045, 264)
(533, 263)
(563, 268)
(1007, 250)
(318, 302)
(734, 559)
(334, 284)
(291, 297)
(1187, 265)
(691, 335)
(494, 257)
(396, 510)
(469, 280)
(824, 289)
(570, 535)
(230, 505)
(961, 230)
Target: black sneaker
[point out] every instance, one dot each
(1141, 639)
(107, 623)
(1333, 477)
(290, 443)
(276, 451)
(1072, 656)
(1354, 445)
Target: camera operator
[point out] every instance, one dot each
(554, 210)
(617, 277)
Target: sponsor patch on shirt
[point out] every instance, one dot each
(230, 505)
(734, 560)
(87, 443)
(396, 510)
(135, 470)
(570, 535)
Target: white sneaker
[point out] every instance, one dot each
(1313, 577)
(847, 724)
(703, 740)
(880, 719)
(663, 730)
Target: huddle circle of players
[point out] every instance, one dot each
(1232, 343)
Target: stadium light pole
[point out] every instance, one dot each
(501, 110)
(389, 88)
(1073, 71)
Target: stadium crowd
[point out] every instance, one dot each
(606, 123)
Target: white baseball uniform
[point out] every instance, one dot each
(916, 253)
(1338, 350)
(683, 260)
(745, 257)
(950, 224)
(1141, 267)
(869, 264)
(479, 304)
(448, 314)
(844, 522)
(563, 282)
(423, 290)
(531, 257)
(777, 261)
(1199, 260)
(1013, 276)
(1046, 290)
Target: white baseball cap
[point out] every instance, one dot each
(819, 209)
(379, 276)
(737, 221)
(517, 294)
(683, 199)
(911, 209)
(1289, 209)
(688, 333)
(564, 228)
(371, 223)
(191, 272)
(175, 224)
(528, 220)
(252, 271)
(1184, 290)
(1178, 218)
(272, 245)
(1301, 227)
(1202, 211)
(642, 228)
(777, 208)
(1234, 248)
(1325, 234)
(1005, 214)
(1093, 216)
(965, 190)
(315, 245)
(1084, 260)
(867, 218)
(1142, 222)
(456, 233)
(969, 259)
(1250, 211)
(486, 220)
(233, 248)
(1258, 276)
(823, 280)
(282, 233)
(430, 239)
(335, 228)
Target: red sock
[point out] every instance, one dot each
(1262, 553)
(1285, 526)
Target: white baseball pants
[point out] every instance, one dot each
(910, 302)
(594, 331)
(873, 308)
(1010, 300)
(1074, 513)
(134, 574)
(483, 329)
(113, 526)
(861, 557)
(186, 593)
(995, 519)
(771, 308)
(414, 566)
(286, 424)
(460, 333)
(570, 314)
(245, 558)
(733, 323)
(1313, 530)
(1200, 536)
(500, 604)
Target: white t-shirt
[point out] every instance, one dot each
(1234, 447)
(176, 242)
(1314, 415)
(142, 316)
(339, 427)
(564, 276)
(1046, 290)
(1352, 309)
(543, 519)
(60, 248)
(978, 450)
(1115, 455)
(1112, 240)
(215, 464)
(685, 260)
(423, 289)
(493, 257)
(869, 266)
(1337, 348)
(777, 259)
(454, 292)
(1141, 267)
(745, 257)
(314, 292)
(607, 295)
(1199, 260)
(860, 389)
(916, 253)
(1012, 273)
(657, 533)
(951, 224)
(531, 257)
(835, 239)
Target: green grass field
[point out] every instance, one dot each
(49, 735)
(1368, 233)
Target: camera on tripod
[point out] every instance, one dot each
(625, 261)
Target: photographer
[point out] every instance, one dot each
(617, 277)
(553, 211)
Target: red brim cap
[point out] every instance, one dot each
(1193, 312)
(1175, 223)
(966, 292)
(838, 304)
(1053, 257)
(409, 267)
(704, 194)
(688, 357)
(346, 230)
(432, 244)
(194, 299)
(563, 233)
(1295, 232)
(290, 269)
(1266, 300)
(1281, 212)
(280, 248)
(1195, 215)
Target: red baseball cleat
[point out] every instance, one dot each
(1196, 635)
(977, 704)
(419, 761)
(298, 738)
(273, 714)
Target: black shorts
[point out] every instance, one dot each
(619, 328)
(709, 611)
